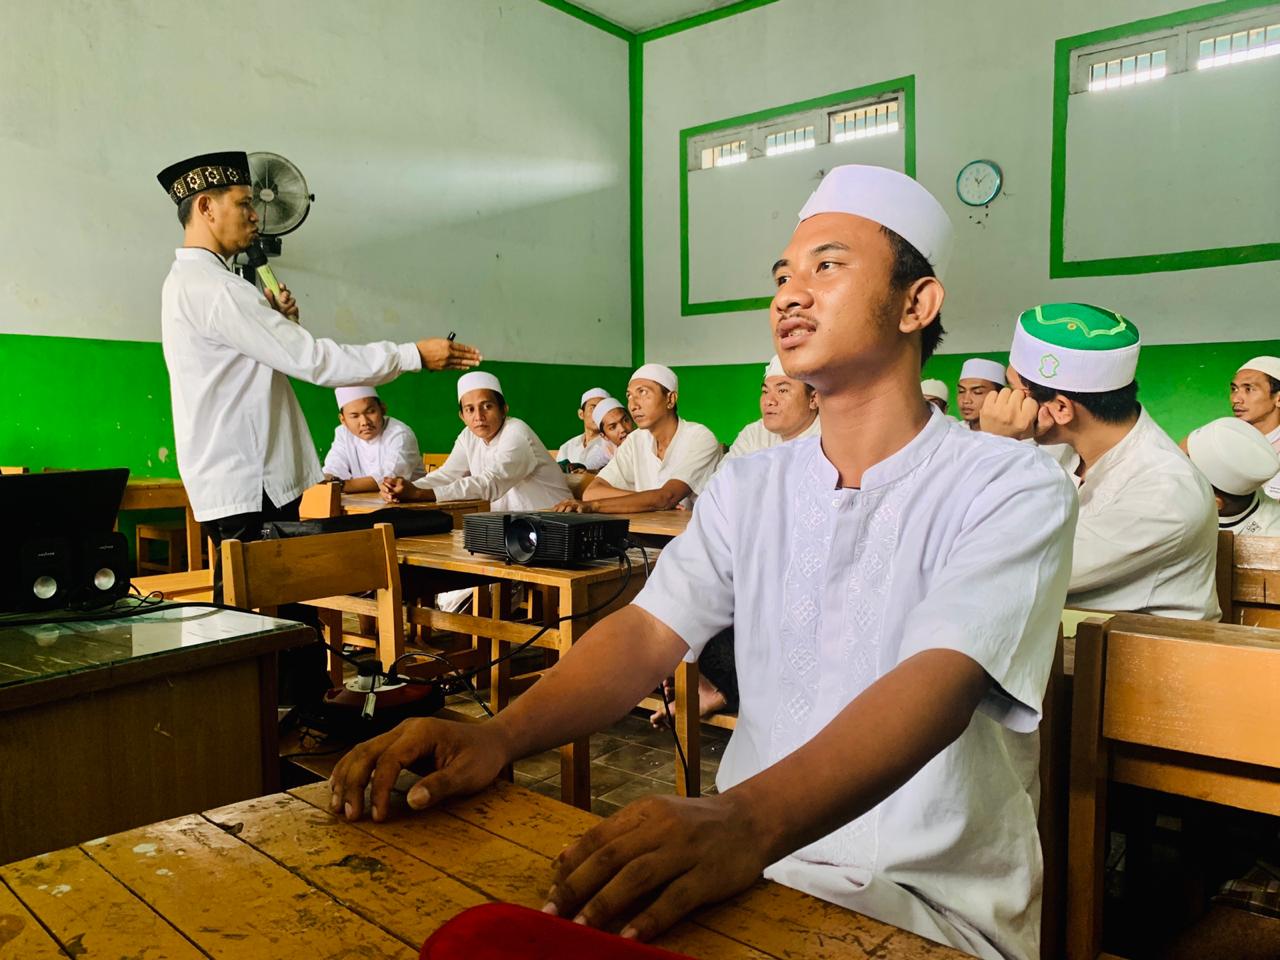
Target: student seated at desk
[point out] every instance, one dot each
(369, 445)
(1237, 461)
(496, 458)
(586, 451)
(895, 588)
(1147, 540)
(663, 465)
(615, 425)
(788, 411)
(978, 377)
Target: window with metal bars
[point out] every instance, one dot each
(873, 121)
(789, 141)
(1126, 71)
(724, 154)
(1251, 44)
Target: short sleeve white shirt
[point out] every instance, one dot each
(960, 541)
(513, 471)
(754, 436)
(593, 455)
(392, 453)
(692, 456)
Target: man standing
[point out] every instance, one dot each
(978, 377)
(244, 451)
(1255, 399)
(788, 411)
(1146, 541)
(895, 588)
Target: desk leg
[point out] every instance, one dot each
(268, 693)
(575, 757)
(500, 673)
(194, 541)
(688, 730)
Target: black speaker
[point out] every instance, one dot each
(102, 569)
(56, 573)
(44, 575)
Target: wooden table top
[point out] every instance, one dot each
(278, 878)
(154, 493)
(659, 523)
(445, 551)
(369, 502)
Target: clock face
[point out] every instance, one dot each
(979, 182)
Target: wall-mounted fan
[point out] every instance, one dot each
(280, 198)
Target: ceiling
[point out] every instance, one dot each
(640, 15)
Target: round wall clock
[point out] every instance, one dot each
(978, 182)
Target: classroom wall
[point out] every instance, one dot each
(466, 178)
(983, 88)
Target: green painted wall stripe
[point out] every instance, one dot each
(907, 86)
(1059, 267)
(635, 92)
(657, 33)
(594, 19)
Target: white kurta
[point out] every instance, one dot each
(1261, 519)
(593, 455)
(692, 456)
(1272, 489)
(237, 425)
(1147, 540)
(755, 437)
(392, 453)
(513, 471)
(959, 541)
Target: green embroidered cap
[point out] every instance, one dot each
(1075, 347)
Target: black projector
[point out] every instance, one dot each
(545, 539)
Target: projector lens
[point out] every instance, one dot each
(521, 540)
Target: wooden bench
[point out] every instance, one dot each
(1253, 581)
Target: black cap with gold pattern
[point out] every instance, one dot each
(189, 177)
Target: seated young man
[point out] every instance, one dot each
(1237, 461)
(978, 377)
(586, 451)
(369, 445)
(614, 423)
(664, 464)
(1255, 399)
(496, 458)
(1147, 538)
(936, 393)
(895, 587)
(788, 411)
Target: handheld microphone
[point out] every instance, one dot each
(256, 257)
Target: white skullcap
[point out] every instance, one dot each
(1268, 365)
(978, 369)
(774, 369)
(1233, 455)
(658, 374)
(591, 394)
(346, 394)
(890, 199)
(476, 380)
(603, 408)
(935, 388)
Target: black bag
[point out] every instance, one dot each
(404, 522)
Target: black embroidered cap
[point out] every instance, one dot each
(188, 177)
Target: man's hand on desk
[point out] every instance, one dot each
(400, 490)
(467, 757)
(693, 851)
(576, 506)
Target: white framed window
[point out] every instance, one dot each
(779, 136)
(1208, 44)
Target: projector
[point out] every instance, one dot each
(545, 539)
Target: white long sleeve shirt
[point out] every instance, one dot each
(1272, 489)
(392, 453)
(238, 428)
(959, 541)
(594, 455)
(513, 471)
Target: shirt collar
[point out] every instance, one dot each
(200, 254)
(1227, 523)
(896, 465)
(1120, 450)
(1274, 436)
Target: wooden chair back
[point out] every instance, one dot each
(433, 461)
(1179, 706)
(7, 471)
(1224, 574)
(321, 501)
(1255, 582)
(322, 571)
(1055, 752)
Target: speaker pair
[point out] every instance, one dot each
(57, 573)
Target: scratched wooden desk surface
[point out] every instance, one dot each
(658, 523)
(278, 878)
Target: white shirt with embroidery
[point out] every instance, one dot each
(513, 471)
(1272, 489)
(237, 425)
(593, 455)
(959, 541)
(1147, 540)
(754, 436)
(392, 453)
(692, 456)
(1261, 519)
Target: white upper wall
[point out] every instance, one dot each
(984, 89)
(469, 161)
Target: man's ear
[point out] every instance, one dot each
(582, 415)
(924, 303)
(462, 416)
(1061, 410)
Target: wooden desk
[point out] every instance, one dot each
(159, 493)
(105, 725)
(279, 878)
(369, 502)
(658, 523)
(578, 590)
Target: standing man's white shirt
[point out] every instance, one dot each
(754, 436)
(513, 471)
(237, 425)
(692, 456)
(1147, 537)
(392, 453)
(593, 455)
(960, 541)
